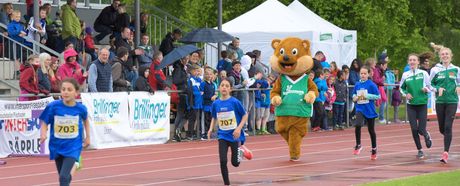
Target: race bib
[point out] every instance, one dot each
(227, 120)
(362, 96)
(66, 127)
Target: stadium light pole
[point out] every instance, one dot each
(219, 25)
(137, 12)
(36, 22)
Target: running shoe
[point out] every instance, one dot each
(444, 157)
(374, 154)
(428, 141)
(293, 159)
(420, 154)
(357, 150)
(246, 152)
(240, 154)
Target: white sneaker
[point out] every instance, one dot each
(383, 121)
(240, 154)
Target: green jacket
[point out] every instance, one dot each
(70, 22)
(447, 78)
(413, 82)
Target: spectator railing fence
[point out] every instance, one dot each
(252, 111)
(14, 53)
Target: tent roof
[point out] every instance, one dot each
(311, 18)
(270, 16)
(273, 16)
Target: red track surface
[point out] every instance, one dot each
(327, 160)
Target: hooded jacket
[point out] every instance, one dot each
(142, 83)
(71, 69)
(28, 79)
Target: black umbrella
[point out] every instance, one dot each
(206, 35)
(176, 54)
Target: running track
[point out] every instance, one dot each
(327, 160)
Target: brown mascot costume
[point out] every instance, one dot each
(293, 92)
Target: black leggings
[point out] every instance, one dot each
(223, 150)
(417, 113)
(64, 165)
(446, 116)
(360, 119)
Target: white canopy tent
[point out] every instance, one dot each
(273, 20)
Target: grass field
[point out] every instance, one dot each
(442, 178)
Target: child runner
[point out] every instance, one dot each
(415, 85)
(230, 116)
(364, 94)
(446, 82)
(66, 118)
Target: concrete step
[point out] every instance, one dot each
(10, 89)
(7, 69)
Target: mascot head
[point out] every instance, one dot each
(292, 56)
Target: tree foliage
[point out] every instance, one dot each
(400, 26)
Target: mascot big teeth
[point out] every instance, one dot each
(293, 92)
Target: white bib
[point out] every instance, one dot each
(66, 127)
(227, 120)
(362, 96)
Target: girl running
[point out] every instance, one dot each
(415, 85)
(364, 94)
(230, 116)
(66, 118)
(445, 80)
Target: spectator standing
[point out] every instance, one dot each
(100, 73)
(54, 31)
(234, 47)
(209, 95)
(71, 68)
(54, 80)
(167, 45)
(340, 87)
(28, 79)
(37, 28)
(157, 78)
(120, 69)
(146, 58)
(179, 77)
(16, 32)
(196, 100)
(71, 29)
(123, 41)
(89, 43)
(122, 20)
(142, 83)
(105, 22)
(7, 10)
(44, 83)
(144, 20)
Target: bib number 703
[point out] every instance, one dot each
(66, 129)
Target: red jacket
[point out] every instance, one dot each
(89, 42)
(28, 79)
(156, 77)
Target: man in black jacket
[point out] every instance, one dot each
(105, 22)
(167, 45)
(180, 80)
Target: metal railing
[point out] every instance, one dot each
(13, 53)
(161, 22)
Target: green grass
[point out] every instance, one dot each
(442, 178)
